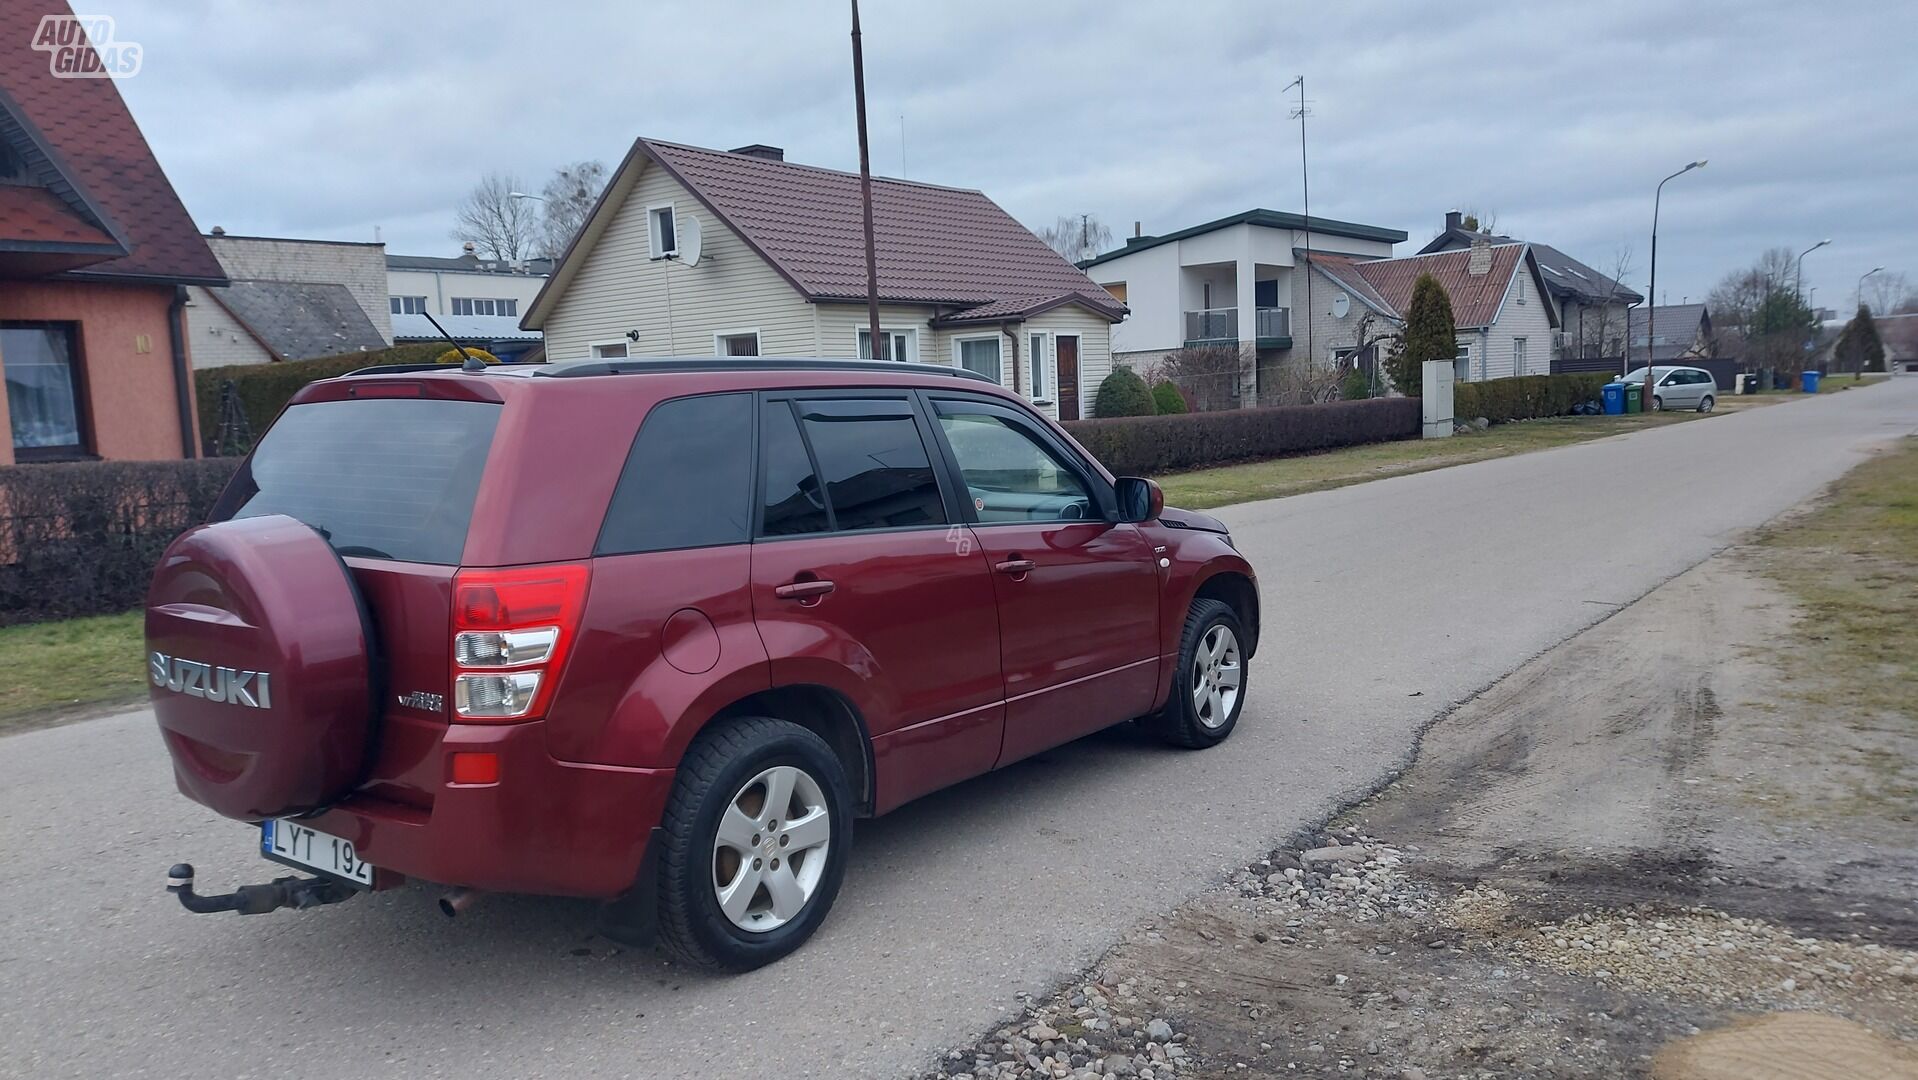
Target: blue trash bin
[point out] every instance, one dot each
(1808, 382)
(1613, 395)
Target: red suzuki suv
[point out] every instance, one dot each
(656, 632)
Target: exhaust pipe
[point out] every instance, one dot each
(458, 900)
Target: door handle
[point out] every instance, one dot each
(803, 590)
(1015, 566)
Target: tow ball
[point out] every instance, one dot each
(293, 892)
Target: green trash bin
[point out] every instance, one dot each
(1634, 397)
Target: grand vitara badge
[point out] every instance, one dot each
(252, 689)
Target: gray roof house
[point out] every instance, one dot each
(780, 271)
(1680, 331)
(1592, 305)
(290, 299)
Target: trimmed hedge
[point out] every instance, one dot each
(1146, 445)
(263, 389)
(1525, 397)
(1168, 399)
(82, 538)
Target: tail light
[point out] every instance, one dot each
(511, 631)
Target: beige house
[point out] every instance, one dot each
(697, 252)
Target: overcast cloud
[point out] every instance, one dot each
(328, 120)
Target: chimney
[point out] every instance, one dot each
(468, 248)
(1136, 226)
(219, 230)
(1480, 262)
(760, 150)
(1453, 220)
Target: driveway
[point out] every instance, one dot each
(1386, 603)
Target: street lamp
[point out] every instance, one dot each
(523, 195)
(1651, 302)
(1858, 295)
(1799, 289)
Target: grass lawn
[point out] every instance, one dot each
(59, 670)
(1207, 488)
(1852, 564)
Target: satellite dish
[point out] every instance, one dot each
(1341, 304)
(689, 240)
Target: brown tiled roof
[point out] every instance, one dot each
(91, 140)
(1344, 270)
(38, 216)
(935, 244)
(1475, 298)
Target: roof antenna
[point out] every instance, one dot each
(472, 365)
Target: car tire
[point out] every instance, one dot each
(1200, 713)
(701, 921)
(1658, 403)
(1705, 403)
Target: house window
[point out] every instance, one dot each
(980, 354)
(660, 232)
(1518, 356)
(43, 390)
(1462, 364)
(895, 344)
(742, 344)
(1041, 361)
(473, 305)
(612, 351)
(408, 305)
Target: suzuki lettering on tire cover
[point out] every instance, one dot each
(259, 667)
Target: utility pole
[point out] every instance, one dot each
(865, 188)
(1305, 190)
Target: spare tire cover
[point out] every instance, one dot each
(260, 667)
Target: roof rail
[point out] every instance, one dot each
(584, 368)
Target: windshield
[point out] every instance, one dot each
(383, 478)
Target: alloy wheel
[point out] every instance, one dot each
(1217, 674)
(770, 851)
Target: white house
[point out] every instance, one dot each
(780, 271)
(478, 301)
(1502, 306)
(1226, 282)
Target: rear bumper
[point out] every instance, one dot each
(551, 827)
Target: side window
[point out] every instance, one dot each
(794, 503)
(688, 480)
(875, 466)
(1011, 476)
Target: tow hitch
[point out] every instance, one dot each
(293, 892)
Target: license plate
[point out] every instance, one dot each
(302, 845)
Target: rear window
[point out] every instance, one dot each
(382, 478)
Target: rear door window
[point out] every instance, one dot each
(874, 463)
(688, 481)
(379, 478)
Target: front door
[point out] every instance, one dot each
(858, 585)
(1068, 377)
(1039, 515)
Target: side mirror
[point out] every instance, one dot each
(1139, 499)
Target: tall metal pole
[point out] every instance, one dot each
(865, 190)
(1858, 295)
(1798, 287)
(1651, 302)
(1305, 190)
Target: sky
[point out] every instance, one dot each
(336, 120)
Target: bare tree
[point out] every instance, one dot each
(1476, 220)
(1208, 374)
(1736, 301)
(1077, 237)
(566, 200)
(500, 226)
(1600, 329)
(1884, 290)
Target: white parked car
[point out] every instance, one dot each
(1680, 388)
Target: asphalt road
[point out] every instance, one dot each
(1386, 603)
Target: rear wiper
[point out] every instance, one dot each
(363, 552)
